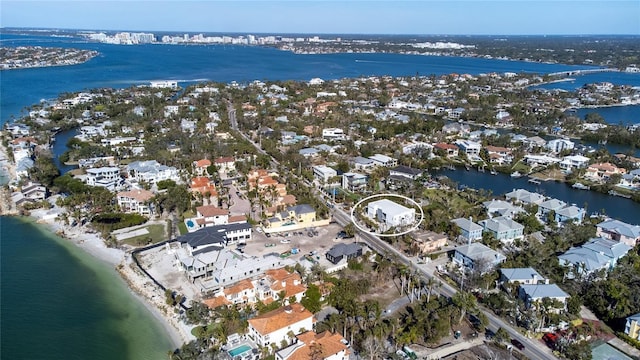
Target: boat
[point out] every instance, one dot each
(493, 172)
(580, 186)
(535, 181)
(467, 167)
(516, 174)
(615, 193)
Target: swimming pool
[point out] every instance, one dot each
(190, 223)
(239, 350)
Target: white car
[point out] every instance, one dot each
(285, 241)
(259, 229)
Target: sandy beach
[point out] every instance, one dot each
(150, 295)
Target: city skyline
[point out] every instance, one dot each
(469, 17)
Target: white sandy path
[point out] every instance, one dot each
(150, 295)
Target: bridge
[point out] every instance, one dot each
(582, 72)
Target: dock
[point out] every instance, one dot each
(535, 181)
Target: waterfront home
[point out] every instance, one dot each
(209, 215)
(522, 276)
(390, 214)
(18, 130)
(323, 173)
(524, 196)
(309, 345)
(501, 208)
(603, 171)
(383, 160)
(118, 140)
(632, 327)
(29, 193)
(499, 155)
(574, 162)
(631, 180)
(429, 241)
(559, 145)
(151, 172)
(216, 267)
(106, 177)
(344, 251)
(471, 148)
(571, 212)
(300, 215)
(215, 237)
(354, 182)
(135, 201)
(201, 167)
(504, 229)
(619, 231)
(534, 142)
(547, 206)
(469, 230)
(455, 128)
(596, 254)
(449, 150)
(533, 295)
(477, 257)
(540, 160)
(274, 327)
(23, 165)
(405, 172)
(416, 148)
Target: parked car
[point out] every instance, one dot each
(285, 241)
(517, 344)
(269, 245)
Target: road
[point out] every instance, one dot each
(533, 349)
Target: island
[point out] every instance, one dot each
(228, 207)
(24, 57)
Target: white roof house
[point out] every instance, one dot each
(390, 213)
(151, 171)
(323, 173)
(574, 161)
(383, 160)
(558, 145)
(521, 275)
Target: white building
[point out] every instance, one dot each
(136, 201)
(573, 162)
(383, 160)
(390, 214)
(323, 173)
(106, 177)
(354, 182)
(471, 148)
(333, 134)
(151, 172)
(559, 145)
(274, 326)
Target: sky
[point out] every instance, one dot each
(420, 17)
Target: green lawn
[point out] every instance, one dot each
(182, 228)
(156, 234)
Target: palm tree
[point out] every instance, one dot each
(464, 301)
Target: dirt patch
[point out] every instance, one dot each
(549, 174)
(384, 293)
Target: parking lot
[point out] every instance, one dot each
(319, 239)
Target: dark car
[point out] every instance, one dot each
(517, 344)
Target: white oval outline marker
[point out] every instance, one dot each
(353, 219)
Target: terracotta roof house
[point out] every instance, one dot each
(274, 326)
(207, 215)
(309, 345)
(200, 167)
(135, 201)
(602, 171)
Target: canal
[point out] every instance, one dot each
(613, 206)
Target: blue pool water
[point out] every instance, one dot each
(239, 350)
(190, 223)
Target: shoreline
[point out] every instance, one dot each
(92, 244)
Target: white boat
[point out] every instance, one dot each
(516, 174)
(534, 181)
(580, 186)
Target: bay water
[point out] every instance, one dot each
(59, 303)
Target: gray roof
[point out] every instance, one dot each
(540, 291)
(622, 228)
(212, 234)
(301, 209)
(344, 249)
(478, 251)
(520, 274)
(501, 224)
(407, 170)
(553, 204)
(308, 151)
(504, 208)
(362, 160)
(570, 211)
(525, 196)
(635, 317)
(595, 254)
(466, 224)
(149, 166)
